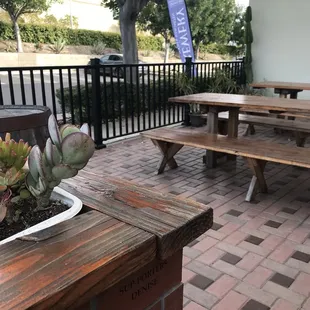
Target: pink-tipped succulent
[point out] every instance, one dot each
(12, 153)
(11, 180)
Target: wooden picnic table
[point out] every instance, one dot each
(233, 103)
(283, 88)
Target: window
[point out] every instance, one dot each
(104, 58)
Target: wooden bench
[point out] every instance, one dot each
(296, 115)
(301, 129)
(257, 152)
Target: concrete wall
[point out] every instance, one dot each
(281, 48)
(35, 59)
(90, 13)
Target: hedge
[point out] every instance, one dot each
(121, 100)
(48, 34)
(221, 49)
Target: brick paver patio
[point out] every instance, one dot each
(256, 256)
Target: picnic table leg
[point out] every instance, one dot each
(258, 180)
(168, 151)
(294, 94)
(232, 131)
(212, 127)
(300, 138)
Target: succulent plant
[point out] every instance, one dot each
(11, 189)
(67, 151)
(12, 153)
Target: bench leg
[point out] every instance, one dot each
(232, 130)
(300, 139)
(250, 129)
(168, 151)
(212, 127)
(258, 180)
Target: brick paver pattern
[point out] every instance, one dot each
(257, 255)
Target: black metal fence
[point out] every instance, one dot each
(116, 100)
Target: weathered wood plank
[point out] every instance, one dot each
(174, 222)
(282, 85)
(66, 269)
(66, 229)
(246, 102)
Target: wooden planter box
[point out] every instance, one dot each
(123, 252)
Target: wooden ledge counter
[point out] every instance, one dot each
(123, 252)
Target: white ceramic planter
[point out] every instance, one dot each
(66, 198)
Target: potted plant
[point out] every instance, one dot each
(185, 86)
(29, 197)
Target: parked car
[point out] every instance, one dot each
(117, 59)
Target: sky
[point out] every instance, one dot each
(243, 2)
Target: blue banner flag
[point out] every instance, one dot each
(181, 28)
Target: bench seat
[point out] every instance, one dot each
(301, 129)
(296, 115)
(257, 152)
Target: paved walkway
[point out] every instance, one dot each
(256, 256)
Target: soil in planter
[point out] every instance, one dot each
(29, 217)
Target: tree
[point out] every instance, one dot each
(128, 11)
(17, 8)
(66, 21)
(211, 21)
(155, 19)
(238, 33)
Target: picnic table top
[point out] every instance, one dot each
(124, 228)
(281, 85)
(247, 102)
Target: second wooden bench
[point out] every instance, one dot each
(301, 129)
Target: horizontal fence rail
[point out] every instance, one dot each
(115, 100)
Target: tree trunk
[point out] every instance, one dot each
(129, 37)
(167, 49)
(18, 37)
(197, 50)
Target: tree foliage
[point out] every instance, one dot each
(238, 31)
(17, 8)
(211, 21)
(155, 19)
(128, 12)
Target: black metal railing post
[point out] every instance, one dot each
(188, 72)
(96, 103)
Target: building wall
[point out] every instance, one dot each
(91, 15)
(281, 47)
(37, 59)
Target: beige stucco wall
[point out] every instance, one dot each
(281, 46)
(35, 59)
(90, 13)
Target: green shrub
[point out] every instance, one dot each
(222, 49)
(98, 48)
(49, 34)
(58, 46)
(116, 100)
(149, 43)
